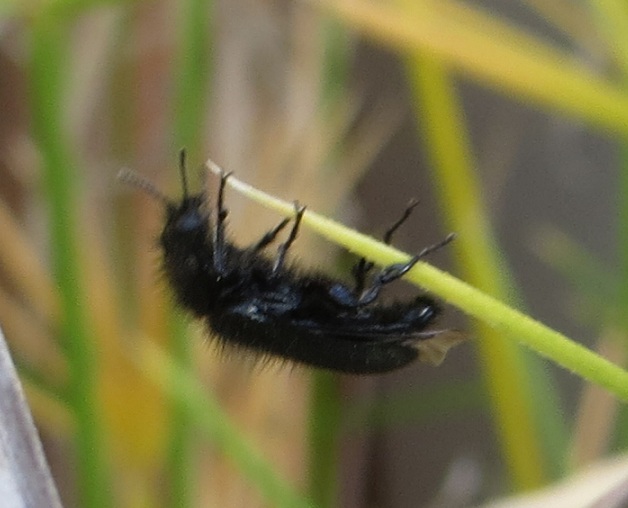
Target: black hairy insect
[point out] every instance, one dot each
(260, 302)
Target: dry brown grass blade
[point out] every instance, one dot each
(27, 274)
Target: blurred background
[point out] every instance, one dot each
(507, 120)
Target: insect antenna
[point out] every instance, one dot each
(183, 172)
(136, 180)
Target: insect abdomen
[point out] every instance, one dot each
(324, 351)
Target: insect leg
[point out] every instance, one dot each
(219, 230)
(393, 272)
(283, 248)
(359, 271)
(404, 217)
(363, 267)
(183, 172)
(270, 236)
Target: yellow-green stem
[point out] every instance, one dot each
(515, 325)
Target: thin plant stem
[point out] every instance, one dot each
(503, 366)
(513, 324)
(325, 411)
(191, 85)
(60, 180)
(324, 429)
(205, 412)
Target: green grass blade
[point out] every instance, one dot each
(503, 366)
(325, 409)
(443, 401)
(192, 74)
(60, 179)
(491, 52)
(324, 429)
(204, 411)
(612, 19)
(191, 83)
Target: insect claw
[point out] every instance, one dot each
(413, 203)
(299, 209)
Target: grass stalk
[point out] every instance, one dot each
(324, 430)
(205, 412)
(60, 180)
(325, 408)
(503, 367)
(191, 76)
(513, 324)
